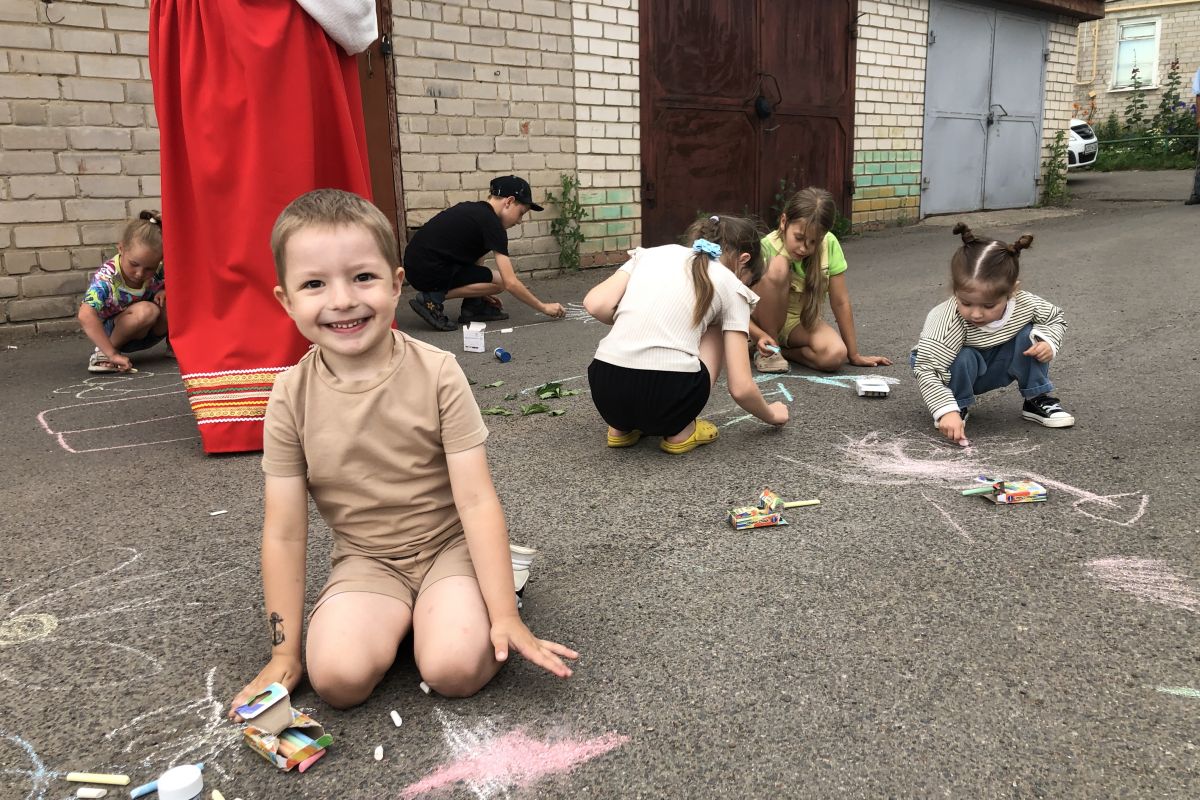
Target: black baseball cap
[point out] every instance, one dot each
(514, 187)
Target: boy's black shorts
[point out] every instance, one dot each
(445, 277)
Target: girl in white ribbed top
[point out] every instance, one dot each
(679, 314)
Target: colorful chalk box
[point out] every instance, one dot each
(280, 733)
(1011, 492)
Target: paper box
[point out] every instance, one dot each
(871, 386)
(473, 337)
(746, 517)
(280, 733)
(1010, 492)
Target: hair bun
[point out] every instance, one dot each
(1023, 243)
(960, 229)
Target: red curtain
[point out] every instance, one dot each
(255, 105)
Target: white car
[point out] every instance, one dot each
(1082, 145)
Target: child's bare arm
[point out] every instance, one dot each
(514, 286)
(487, 540)
(93, 327)
(602, 300)
(742, 388)
(285, 539)
(839, 301)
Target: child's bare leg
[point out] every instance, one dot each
(352, 641)
(134, 323)
(821, 348)
(478, 289)
(452, 638)
(712, 353)
(772, 290)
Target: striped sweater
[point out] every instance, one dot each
(946, 333)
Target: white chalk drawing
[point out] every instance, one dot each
(1149, 580)
(73, 426)
(88, 605)
(184, 731)
(120, 384)
(23, 767)
(577, 313)
(948, 517)
(904, 459)
(493, 764)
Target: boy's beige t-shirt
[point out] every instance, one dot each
(374, 452)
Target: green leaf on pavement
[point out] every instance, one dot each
(534, 408)
(496, 411)
(493, 384)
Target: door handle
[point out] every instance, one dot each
(991, 117)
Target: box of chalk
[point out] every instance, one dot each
(280, 733)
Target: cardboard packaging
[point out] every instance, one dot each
(1011, 492)
(746, 517)
(473, 337)
(280, 733)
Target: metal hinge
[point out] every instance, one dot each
(932, 37)
(1046, 54)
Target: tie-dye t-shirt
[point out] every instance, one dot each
(108, 294)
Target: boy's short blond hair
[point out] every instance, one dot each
(331, 208)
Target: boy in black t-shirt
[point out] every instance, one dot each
(443, 260)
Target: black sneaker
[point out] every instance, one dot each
(432, 312)
(1193, 200)
(1045, 410)
(476, 309)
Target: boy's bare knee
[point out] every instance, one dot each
(460, 676)
(341, 683)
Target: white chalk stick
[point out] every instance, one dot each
(218, 513)
(379, 753)
(217, 795)
(424, 687)
(90, 791)
(396, 718)
(502, 330)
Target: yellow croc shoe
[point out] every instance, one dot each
(625, 440)
(705, 432)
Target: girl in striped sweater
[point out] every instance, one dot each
(989, 334)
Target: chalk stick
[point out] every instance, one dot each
(379, 753)
(964, 442)
(396, 718)
(299, 737)
(773, 348)
(217, 795)
(799, 503)
(979, 490)
(96, 777)
(218, 513)
(424, 687)
(308, 762)
(91, 791)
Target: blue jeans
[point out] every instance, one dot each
(975, 371)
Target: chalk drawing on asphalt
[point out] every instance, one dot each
(904, 459)
(22, 767)
(105, 604)
(1149, 580)
(184, 731)
(73, 426)
(491, 764)
(120, 384)
(1180, 691)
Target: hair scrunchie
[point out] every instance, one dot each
(710, 249)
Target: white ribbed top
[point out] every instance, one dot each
(653, 329)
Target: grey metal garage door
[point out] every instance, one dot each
(984, 82)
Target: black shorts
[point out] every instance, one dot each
(655, 402)
(444, 277)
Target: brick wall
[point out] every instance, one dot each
(1058, 106)
(889, 108)
(78, 150)
(485, 88)
(1179, 34)
(608, 139)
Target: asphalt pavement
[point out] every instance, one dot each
(898, 640)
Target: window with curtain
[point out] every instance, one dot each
(1137, 45)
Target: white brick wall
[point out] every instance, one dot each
(1179, 35)
(78, 150)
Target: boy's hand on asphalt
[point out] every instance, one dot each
(280, 669)
(952, 427)
(1042, 351)
(778, 412)
(869, 361)
(554, 310)
(511, 632)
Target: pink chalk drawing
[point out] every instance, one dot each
(1149, 580)
(905, 459)
(490, 764)
(74, 426)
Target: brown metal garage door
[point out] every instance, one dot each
(737, 95)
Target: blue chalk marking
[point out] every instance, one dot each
(1181, 691)
(785, 392)
(40, 777)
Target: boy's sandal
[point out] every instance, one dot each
(705, 432)
(98, 362)
(625, 440)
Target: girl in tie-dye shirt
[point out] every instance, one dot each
(124, 307)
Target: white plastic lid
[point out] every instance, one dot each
(181, 783)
